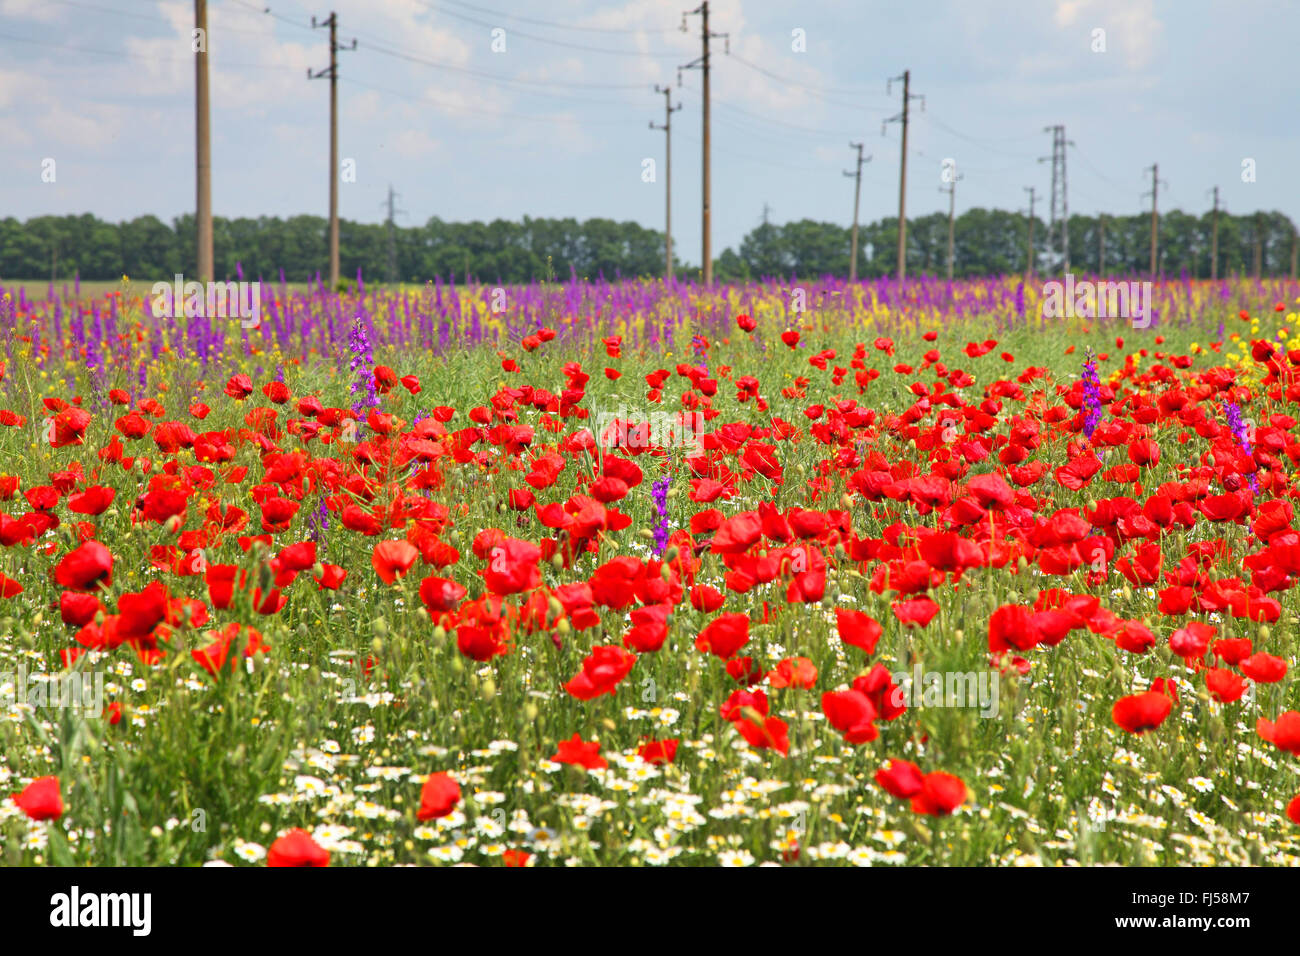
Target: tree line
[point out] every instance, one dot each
(985, 242)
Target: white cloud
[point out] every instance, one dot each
(1131, 25)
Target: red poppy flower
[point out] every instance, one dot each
(793, 672)
(601, 672)
(239, 387)
(858, 628)
(901, 778)
(393, 559)
(579, 753)
(1191, 642)
(92, 501)
(940, 795)
(852, 714)
(772, 734)
(512, 567)
(1284, 734)
(438, 797)
(886, 696)
(1139, 713)
(658, 751)
(78, 609)
(330, 578)
(919, 611)
(1264, 668)
(297, 848)
(707, 599)
(1224, 685)
(85, 567)
(440, 594)
(724, 635)
(41, 799)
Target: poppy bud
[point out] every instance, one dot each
(666, 573)
(1022, 563)
(563, 626)
(959, 635)
(557, 560)
(173, 524)
(609, 724)
(377, 645)
(557, 609)
(530, 712)
(1264, 632)
(671, 554)
(489, 689)
(379, 627)
(646, 534)
(458, 664)
(439, 635)
(317, 569)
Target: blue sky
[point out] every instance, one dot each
(556, 124)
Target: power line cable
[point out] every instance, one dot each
(485, 110)
(553, 42)
(147, 58)
(563, 26)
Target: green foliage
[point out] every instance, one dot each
(986, 242)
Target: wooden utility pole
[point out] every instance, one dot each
(332, 71)
(202, 146)
(706, 180)
(902, 167)
(857, 192)
(1029, 254)
(1214, 237)
(669, 110)
(951, 190)
(1155, 216)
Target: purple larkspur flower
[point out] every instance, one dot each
(1091, 396)
(1241, 431)
(362, 360)
(659, 492)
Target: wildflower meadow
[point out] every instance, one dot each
(649, 573)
